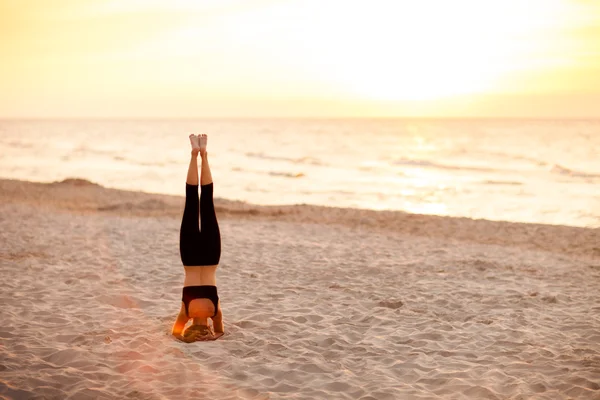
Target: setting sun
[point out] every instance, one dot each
(435, 49)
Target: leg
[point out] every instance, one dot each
(205, 176)
(192, 176)
(208, 217)
(190, 229)
(209, 227)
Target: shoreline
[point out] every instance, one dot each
(82, 196)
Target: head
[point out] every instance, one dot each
(197, 331)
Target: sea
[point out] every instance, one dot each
(520, 170)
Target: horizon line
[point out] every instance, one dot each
(333, 117)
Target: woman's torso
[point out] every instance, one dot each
(200, 276)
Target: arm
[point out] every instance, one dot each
(180, 322)
(218, 324)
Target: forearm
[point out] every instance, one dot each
(177, 329)
(179, 324)
(188, 339)
(218, 322)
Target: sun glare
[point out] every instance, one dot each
(384, 49)
(302, 57)
(433, 49)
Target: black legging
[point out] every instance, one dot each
(199, 245)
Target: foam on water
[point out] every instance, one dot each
(518, 170)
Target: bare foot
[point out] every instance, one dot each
(203, 141)
(194, 140)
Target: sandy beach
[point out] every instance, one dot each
(318, 302)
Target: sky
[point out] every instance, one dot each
(299, 58)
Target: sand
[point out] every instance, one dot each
(318, 302)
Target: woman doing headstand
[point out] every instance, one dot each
(200, 248)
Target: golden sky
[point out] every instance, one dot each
(228, 58)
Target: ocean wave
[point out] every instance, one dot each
(552, 167)
(493, 182)
(19, 145)
(432, 164)
(89, 150)
(559, 169)
(272, 173)
(138, 162)
(301, 160)
(510, 156)
(286, 174)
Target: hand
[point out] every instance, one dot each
(198, 333)
(186, 339)
(205, 338)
